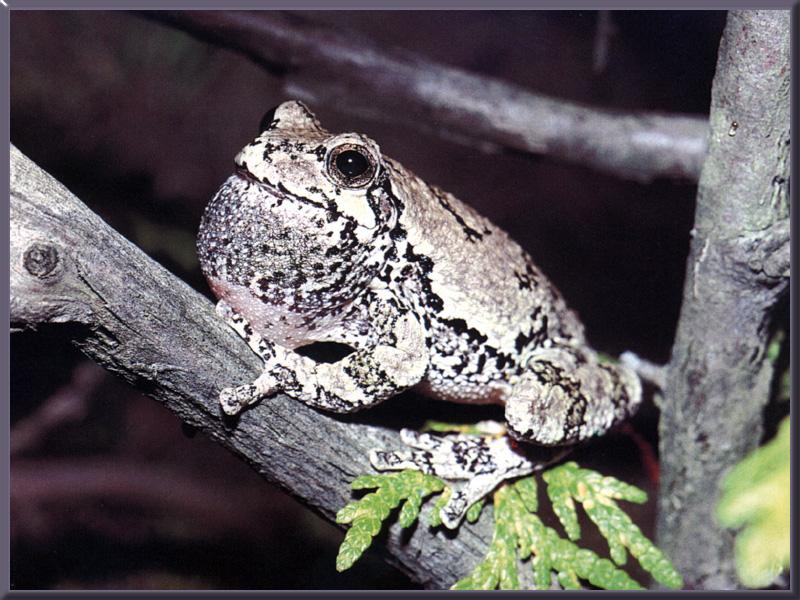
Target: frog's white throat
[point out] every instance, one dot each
(287, 266)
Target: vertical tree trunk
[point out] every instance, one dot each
(718, 378)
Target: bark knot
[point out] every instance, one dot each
(41, 260)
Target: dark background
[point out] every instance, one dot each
(142, 122)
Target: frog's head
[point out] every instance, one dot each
(305, 221)
(295, 156)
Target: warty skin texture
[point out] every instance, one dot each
(319, 238)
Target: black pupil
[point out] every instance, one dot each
(351, 163)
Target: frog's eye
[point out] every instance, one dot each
(351, 165)
(267, 119)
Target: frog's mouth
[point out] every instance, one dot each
(356, 210)
(279, 191)
(243, 173)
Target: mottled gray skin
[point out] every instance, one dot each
(428, 293)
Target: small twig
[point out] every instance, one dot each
(649, 371)
(356, 74)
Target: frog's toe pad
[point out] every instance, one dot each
(234, 399)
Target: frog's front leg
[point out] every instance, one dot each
(360, 379)
(566, 395)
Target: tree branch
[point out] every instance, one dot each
(718, 379)
(342, 68)
(136, 319)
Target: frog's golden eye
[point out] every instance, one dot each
(351, 165)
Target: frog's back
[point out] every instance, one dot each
(488, 305)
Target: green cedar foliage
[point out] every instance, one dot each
(756, 498)
(519, 534)
(368, 513)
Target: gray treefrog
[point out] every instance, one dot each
(320, 238)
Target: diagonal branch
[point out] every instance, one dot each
(324, 64)
(136, 319)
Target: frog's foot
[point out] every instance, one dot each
(472, 465)
(235, 399)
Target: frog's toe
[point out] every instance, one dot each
(421, 441)
(397, 461)
(453, 512)
(464, 496)
(234, 399)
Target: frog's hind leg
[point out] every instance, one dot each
(567, 395)
(472, 465)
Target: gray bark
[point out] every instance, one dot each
(718, 378)
(321, 64)
(138, 320)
